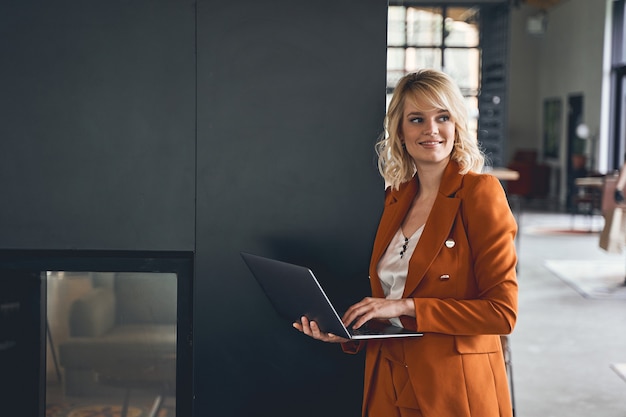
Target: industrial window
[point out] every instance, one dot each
(444, 38)
(467, 42)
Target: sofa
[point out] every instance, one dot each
(122, 333)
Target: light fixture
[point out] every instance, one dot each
(584, 132)
(536, 25)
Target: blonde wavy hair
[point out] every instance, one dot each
(438, 90)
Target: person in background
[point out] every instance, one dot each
(620, 184)
(443, 263)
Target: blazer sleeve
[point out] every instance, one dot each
(490, 228)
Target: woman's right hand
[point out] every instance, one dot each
(311, 329)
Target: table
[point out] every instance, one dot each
(504, 174)
(589, 195)
(597, 182)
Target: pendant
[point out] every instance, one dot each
(403, 251)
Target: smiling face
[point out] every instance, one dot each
(428, 133)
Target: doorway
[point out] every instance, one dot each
(576, 161)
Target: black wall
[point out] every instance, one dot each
(21, 334)
(97, 139)
(208, 127)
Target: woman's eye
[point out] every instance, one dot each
(416, 120)
(444, 118)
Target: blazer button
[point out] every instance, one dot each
(450, 243)
(444, 277)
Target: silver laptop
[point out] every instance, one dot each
(294, 292)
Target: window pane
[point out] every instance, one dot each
(463, 65)
(395, 66)
(395, 59)
(424, 26)
(461, 26)
(396, 28)
(472, 121)
(418, 58)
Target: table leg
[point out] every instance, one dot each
(158, 402)
(125, 404)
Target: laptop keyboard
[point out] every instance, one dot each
(364, 330)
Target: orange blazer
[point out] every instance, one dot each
(463, 282)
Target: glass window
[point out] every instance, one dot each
(423, 58)
(462, 27)
(472, 105)
(424, 26)
(395, 65)
(463, 65)
(396, 26)
(444, 38)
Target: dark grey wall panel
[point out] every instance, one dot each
(98, 151)
(290, 103)
(97, 138)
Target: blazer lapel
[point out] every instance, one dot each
(397, 206)
(433, 237)
(437, 228)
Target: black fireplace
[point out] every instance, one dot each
(35, 357)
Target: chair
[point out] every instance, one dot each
(534, 177)
(587, 198)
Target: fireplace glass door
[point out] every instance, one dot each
(111, 343)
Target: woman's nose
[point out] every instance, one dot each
(430, 127)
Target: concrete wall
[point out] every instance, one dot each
(567, 59)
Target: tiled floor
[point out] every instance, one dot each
(564, 345)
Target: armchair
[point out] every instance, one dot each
(122, 330)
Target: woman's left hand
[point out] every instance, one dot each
(311, 329)
(377, 308)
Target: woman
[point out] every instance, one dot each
(443, 263)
